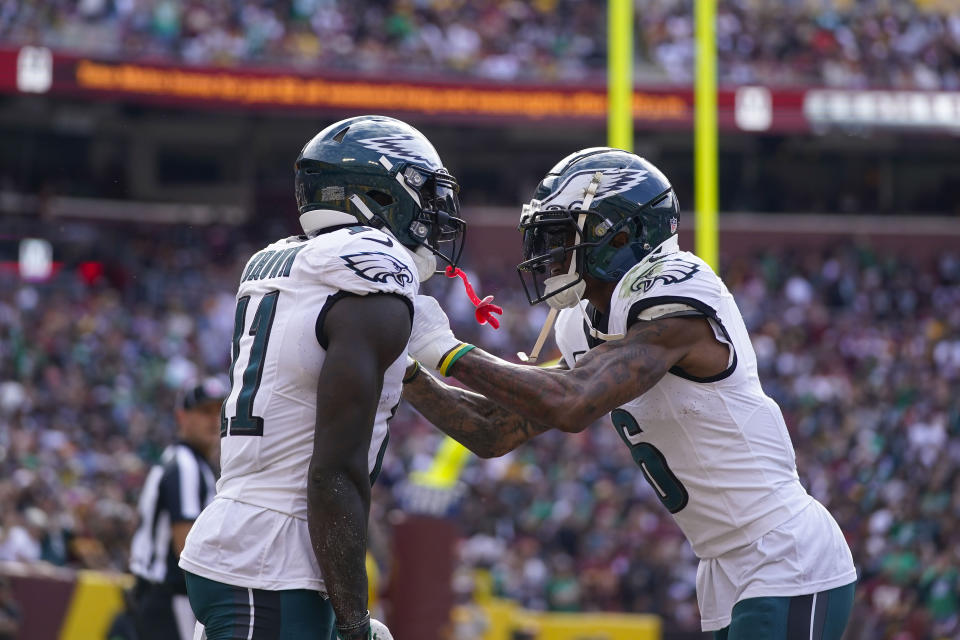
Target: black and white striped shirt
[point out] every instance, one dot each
(176, 490)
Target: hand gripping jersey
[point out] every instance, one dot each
(255, 532)
(715, 450)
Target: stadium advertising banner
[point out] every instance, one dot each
(37, 70)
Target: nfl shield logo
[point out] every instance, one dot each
(673, 225)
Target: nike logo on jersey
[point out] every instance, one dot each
(667, 271)
(387, 242)
(666, 256)
(378, 267)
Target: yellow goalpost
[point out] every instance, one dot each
(705, 133)
(620, 74)
(620, 109)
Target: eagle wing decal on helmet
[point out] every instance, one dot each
(399, 146)
(378, 267)
(665, 271)
(623, 180)
(570, 194)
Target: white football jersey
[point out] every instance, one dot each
(715, 450)
(268, 420)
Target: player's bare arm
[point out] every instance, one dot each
(605, 378)
(366, 334)
(486, 428)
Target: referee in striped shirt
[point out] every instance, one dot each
(175, 491)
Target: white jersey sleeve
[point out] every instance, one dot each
(366, 261)
(677, 284)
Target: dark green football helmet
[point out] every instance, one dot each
(622, 193)
(380, 172)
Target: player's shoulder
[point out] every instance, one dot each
(362, 259)
(665, 274)
(672, 281)
(274, 260)
(679, 274)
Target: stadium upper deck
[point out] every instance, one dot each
(912, 44)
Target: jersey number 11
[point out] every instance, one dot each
(244, 423)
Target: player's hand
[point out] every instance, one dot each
(374, 630)
(430, 336)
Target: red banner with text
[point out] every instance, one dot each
(38, 70)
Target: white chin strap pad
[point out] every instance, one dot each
(567, 298)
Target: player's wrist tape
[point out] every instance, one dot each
(452, 356)
(344, 630)
(416, 371)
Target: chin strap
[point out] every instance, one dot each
(485, 307)
(596, 333)
(589, 193)
(535, 352)
(363, 208)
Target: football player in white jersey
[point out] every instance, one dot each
(319, 351)
(650, 335)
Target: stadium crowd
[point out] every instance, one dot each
(877, 43)
(862, 351)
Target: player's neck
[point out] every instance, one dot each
(599, 294)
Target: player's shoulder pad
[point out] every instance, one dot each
(569, 335)
(363, 260)
(677, 280)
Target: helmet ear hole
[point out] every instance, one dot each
(381, 198)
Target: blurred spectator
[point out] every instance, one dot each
(910, 44)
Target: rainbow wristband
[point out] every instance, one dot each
(452, 356)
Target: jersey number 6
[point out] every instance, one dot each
(671, 492)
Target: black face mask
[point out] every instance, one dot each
(549, 237)
(438, 226)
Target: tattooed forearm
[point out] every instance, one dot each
(602, 380)
(480, 425)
